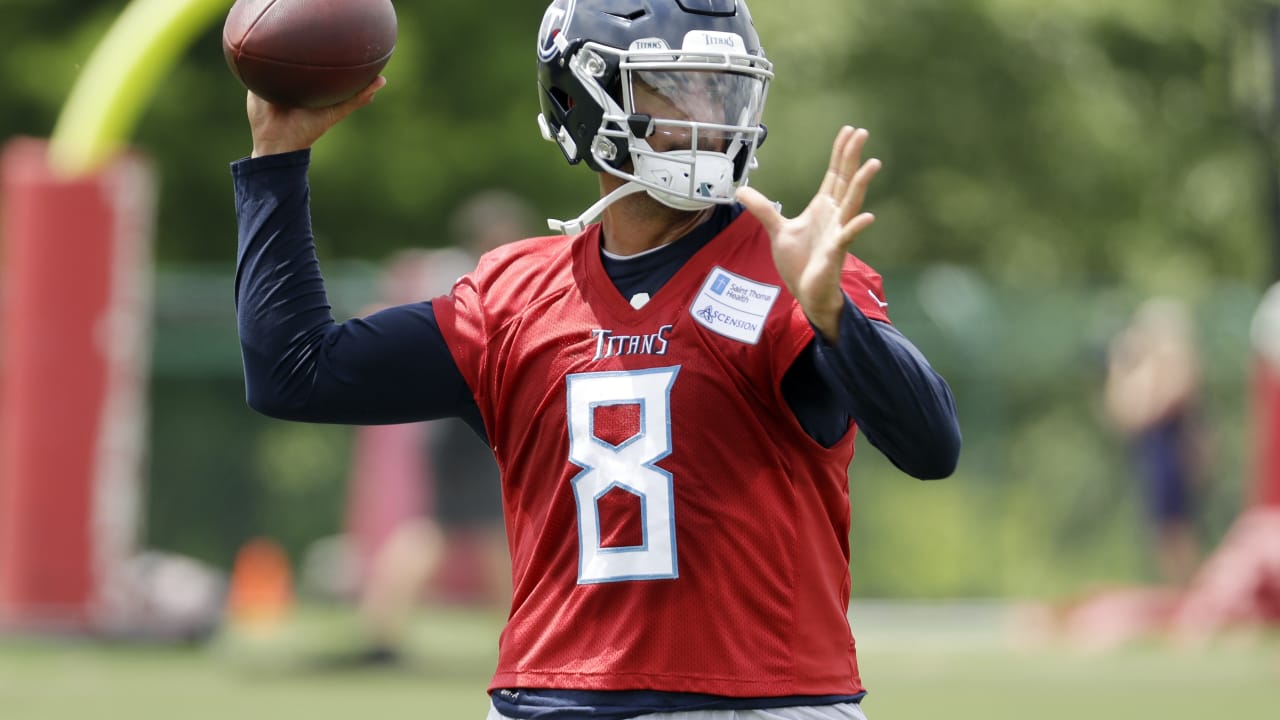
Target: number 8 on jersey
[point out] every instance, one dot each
(628, 466)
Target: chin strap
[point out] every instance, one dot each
(578, 224)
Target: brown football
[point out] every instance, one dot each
(308, 53)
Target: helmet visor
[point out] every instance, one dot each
(714, 105)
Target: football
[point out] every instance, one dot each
(308, 53)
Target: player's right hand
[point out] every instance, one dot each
(277, 129)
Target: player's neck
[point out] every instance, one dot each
(639, 223)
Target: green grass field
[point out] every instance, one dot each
(951, 661)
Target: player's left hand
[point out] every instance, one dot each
(810, 248)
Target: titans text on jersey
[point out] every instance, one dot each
(610, 343)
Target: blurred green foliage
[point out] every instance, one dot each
(1048, 163)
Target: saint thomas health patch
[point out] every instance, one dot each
(733, 306)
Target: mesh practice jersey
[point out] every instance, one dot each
(672, 526)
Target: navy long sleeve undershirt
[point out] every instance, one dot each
(394, 366)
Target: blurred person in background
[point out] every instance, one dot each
(463, 501)
(672, 393)
(1152, 396)
(1238, 586)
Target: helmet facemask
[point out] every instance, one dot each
(689, 124)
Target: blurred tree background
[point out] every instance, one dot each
(1048, 164)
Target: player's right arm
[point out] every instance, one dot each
(299, 364)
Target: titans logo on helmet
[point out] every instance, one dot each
(554, 22)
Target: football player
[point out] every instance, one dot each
(671, 393)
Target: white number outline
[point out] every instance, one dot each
(606, 467)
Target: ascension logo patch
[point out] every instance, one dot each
(734, 306)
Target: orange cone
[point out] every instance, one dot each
(261, 589)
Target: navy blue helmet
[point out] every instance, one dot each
(665, 94)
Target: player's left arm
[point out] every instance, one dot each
(875, 376)
(872, 373)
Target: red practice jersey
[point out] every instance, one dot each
(672, 526)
